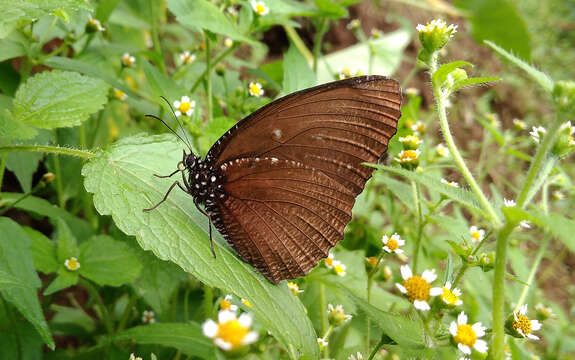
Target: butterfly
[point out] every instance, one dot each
(280, 184)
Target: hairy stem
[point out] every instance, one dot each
(48, 150)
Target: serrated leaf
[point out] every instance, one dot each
(43, 252)
(65, 279)
(16, 263)
(440, 75)
(185, 337)
(297, 73)
(108, 262)
(122, 181)
(540, 77)
(201, 14)
(11, 129)
(472, 81)
(55, 99)
(67, 244)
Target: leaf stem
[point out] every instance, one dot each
(498, 342)
(127, 312)
(415, 190)
(59, 188)
(321, 30)
(154, 19)
(382, 341)
(48, 150)
(299, 44)
(322, 308)
(214, 63)
(533, 271)
(103, 309)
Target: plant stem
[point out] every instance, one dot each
(3, 158)
(59, 188)
(321, 30)
(325, 337)
(154, 19)
(48, 150)
(126, 315)
(322, 308)
(415, 189)
(459, 162)
(299, 44)
(103, 309)
(533, 271)
(208, 301)
(498, 342)
(214, 63)
(209, 105)
(377, 347)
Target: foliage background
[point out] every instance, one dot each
(58, 109)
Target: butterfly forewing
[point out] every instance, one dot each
(293, 168)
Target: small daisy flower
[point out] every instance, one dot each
(437, 25)
(294, 288)
(226, 304)
(120, 95)
(228, 42)
(339, 268)
(357, 356)
(493, 120)
(232, 11)
(508, 203)
(543, 312)
(467, 336)
(134, 357)
(410, 141)
(247, 303)
(476, 234)
(322, 343)
(523, 326)
(344, 73)
(442, 150)
(537, 133)
(260, 8)
(353, 24)
(525, 224)
(184, 106)
(328, 261)
(408, 157)
(336, 316)
(392, 244)
(418, 127)
(454, 184)
(418, 288)
(148, 317)
(558, 195)
(371, 262)
(230, 332)
(255, 89)
(375, 33)
(411, 91)
(72, 264)
(128, 60)
(451, 296)
(94, 25)
(186, 57)
(519, 124)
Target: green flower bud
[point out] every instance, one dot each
(564, 94)
(336, 316)
(487, 261)
(434, 36)
(565, 143)
(94, 25)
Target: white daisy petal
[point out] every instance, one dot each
(178, 113)
(436, 291)
(223, 344)
(405, 272)
(190, 112)
(421, 305)
(481, 346)
(453, 328)
(448, 286)
(400, 242)
(479, 329)
(429, 275)
(462, 318)
(186, 99)
(245, 320)
(535, 325)
(386, 249)
(464, 348)
(523, 309)
(533, 337)
(226, 315)
(210, 328)
(177, 104)
(399, 251)
(401, 288)
(250, 338)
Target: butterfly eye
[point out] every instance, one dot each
(190, 161)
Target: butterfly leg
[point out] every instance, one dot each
(172, 174)
(210, 224)
(166, 195)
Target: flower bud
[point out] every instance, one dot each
(434, 36)
(336, 316)
(564, 94)
(487, 261)
(565, 143)
(48, 177)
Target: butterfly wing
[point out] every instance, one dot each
(293, 169)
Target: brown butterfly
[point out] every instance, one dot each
(280, 185)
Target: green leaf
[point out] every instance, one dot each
(201, 14)
(472, 81)
(500, 22)
(17, 265)
(20, 12)
(330, 9)
(440, 75)
(55, 99)
(19, 339)
(12, 129)
(213, 130)
(162, 85)
(63, 280)
(540, 77)
(297, 73)
(43, 252)
(122, 181)
(108, 262)
(67, 244)
(187, 338)
(10, 49)
(23, 165)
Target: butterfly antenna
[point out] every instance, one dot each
(181, 126)
(172, 130)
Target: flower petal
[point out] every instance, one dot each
(453, 328)
(245, 320)
(178, 113)
(464, 348)
(421, 305)
(479, 329)
(226, 315)
(250, 338)
(185, 99)
(429, 275)
(401, 288)
(481, 346)
(535, 325)
(533, 337)
(436, 291)
(462, 318)
(223, 344)
(405, 272)
(523, 309)
(210, 328)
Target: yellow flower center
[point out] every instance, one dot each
(392, 244)
(409, 123)
(523, 323)
(449, 297)
(417, 288)
(260, 9)
(465, 335)
(254, 89)
(328, 262)
(232, 332)
(184, 107)
(408, 155)
(72, 264)
(225, 305)
(247, 303)
(476, 235)
(339, 269)
(119, 94)
(294, 288)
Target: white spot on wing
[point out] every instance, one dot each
(277, 134)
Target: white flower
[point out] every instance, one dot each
(418, 288)
(247, 303)
(467, 336)
(519, 124)
(412, 91)
(353, 24)
(134, 357)
(328, 261)
(336, 315)
(451, 296)
(72, 264)
(260, 8)
(418, 127)
(525, 224)
(410, 141)
(184, 106)
(186, 57)
(523, 325)
(358, 356)
(226, 303)
(450, 183)
(96, 24)
(408, 156)
(476, 234)
(255, 89)
(437, 25)
(148, 317)
(339, 268)
(508, 203)
(230, 332)
(294, 288)
(392, 244)
(558, 195)
(537, 132)
(322, 343)
(228, 42)
(120, 95)
(128, 60)
(442, 150)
